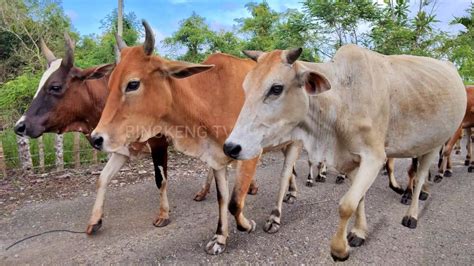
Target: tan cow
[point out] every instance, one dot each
(354, 111)
(150, 95)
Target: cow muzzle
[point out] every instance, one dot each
(232, 150)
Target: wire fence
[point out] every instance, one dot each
(49, 153)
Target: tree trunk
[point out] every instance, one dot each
(24, 153)
(3, 166)
(58, 147)
(41, 153)
(77, 149)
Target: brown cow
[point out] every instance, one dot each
(151, 95)
(467, 124)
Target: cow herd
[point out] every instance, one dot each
(351, 113)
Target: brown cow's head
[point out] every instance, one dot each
(276, 99)
(61, 102)
(140, 95)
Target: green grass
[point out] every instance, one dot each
(12, 161)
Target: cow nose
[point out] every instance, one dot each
(20, 128)
(97, 142)
(232, 150)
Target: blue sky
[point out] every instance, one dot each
(164, 15)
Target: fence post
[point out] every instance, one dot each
(3, 166)
(24, 153)
(41, 153)
(58, 147)
(77, 149)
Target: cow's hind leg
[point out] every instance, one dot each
(310, 180)
(218, 242)
(290, 196)
(322, 172)
(202, 194)
(392, 181)
(370, 165)
(113, 165)
(410, 219)
(272, 225)
(470, 169)
(408, 193)
(159, 154)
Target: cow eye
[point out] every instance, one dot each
(276, 90)
(55, 88)
(132, 86)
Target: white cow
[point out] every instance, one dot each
(353, 112)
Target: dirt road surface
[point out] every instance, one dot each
(445, 233)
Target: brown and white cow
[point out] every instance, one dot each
(150, 95)
(354, 111)
(467, 124)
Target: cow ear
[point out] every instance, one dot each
(254, 55)
(315, 83)
(93, 73)
(183, 70)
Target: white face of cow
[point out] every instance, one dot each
(277, 94)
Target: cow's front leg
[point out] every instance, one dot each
(290, 196)
(114, 164)
(392, 181)
(159, 154)
(202, 194)
(310, 179)
(245, 173)
(272, 225)
(218, 242)
(370, 165)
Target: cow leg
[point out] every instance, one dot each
(159, 154)
(245, 173)
(340, 178)
(202, 194)
(322, 171)
(410, 219)
(392, 181)
(112, 167)
(272, 225)
(218, 242)
(310, 180)
(253, 189)
(370, 165)
(457, 146)
(356, 237)
(467, 162)
(290, 196)
(407, 195)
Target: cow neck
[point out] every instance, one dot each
(98, 91)
(193, 111)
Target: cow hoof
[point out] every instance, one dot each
(384, 172)
(289, 198)
(161, 222)
(470, 169)
(354, 240)
(253, 225)
(92, 229)
(340, 179)
(309, 183)
(423, 195)
(271, 226)
(320, 179)
(200, 196)
(457, 152)
(448, 173)
(438, 178)
(467, 162)
(406, 198)
(409, 222)
(253, 190)
(214, 247)
(337, 258)
(397, 190)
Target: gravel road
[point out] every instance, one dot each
(445, 233)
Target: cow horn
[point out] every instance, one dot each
(293, 55)
(149, 45)
(69, 58)
(120, 43)
(46, 52)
